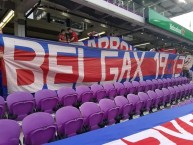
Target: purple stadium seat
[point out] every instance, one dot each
(9, 132)
(143, 86)
(121, 90)
(169, 82)
(167, 95)
(155, 98)
(69, 121)
(136, 86)
(182, 90)
(46, 100)
(38, 128)
(147, 101)
(149, 85)
(155, 84)
(136, 103)
(173, 80)
(161, 96)
(20, 104)
(178, 92)
(67, 96)
(172, 93)
(92, 115)
(130, 88)
(111, 111)
(99, 91)
(111, 90)
(165, 83)
(124, 105)
(2, 107)
(85, 94)
(160, 83)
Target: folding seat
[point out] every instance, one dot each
(9, 132)
(136, 103)
(20, 104)
(46, 100)
(160, 83)
(67, 96)
(111, 111)
(167, 96)
(111, 90)
(92, 114)
(161, 96)
(172, 94)
(69, 121)
(99, 92)
(149, 85)
(121, 90)
(147, 101)
(155, 84)
(169, 82)
(136, 86)
(2, 107)
(178, 93)
(124, 105)
(143, 86)
(129, 87)
(38, 128)
(155, 99)
(85, 94)
(182, 92)
(173, 81)
(165, 83)
(191, 88)
(186, 89)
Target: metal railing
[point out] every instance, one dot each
(129, 5)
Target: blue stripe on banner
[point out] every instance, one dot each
(118, 131)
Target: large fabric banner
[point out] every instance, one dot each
(31, 64)
(108, 43)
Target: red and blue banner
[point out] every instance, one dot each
(32, 64)
(168, 127)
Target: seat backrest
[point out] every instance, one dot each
(96, 87)
(143, 96)
(20, 103)
(118, 85)
(9, 132)
(133, 99)
(67, 96)
(46, 100)
(152, 95)
(135, 84)
(108, 86)
(41, 129)
(84, 92)
(2, 107)
(128, 85)
(99, 91)
(106, 104)
(159, 92)
(172, 90)
(121, 101)
(166, 92)
(89, 108)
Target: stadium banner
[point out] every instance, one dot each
(108, 43)
(175, 132)
(32, 64)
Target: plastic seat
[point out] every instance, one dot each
(165, 83)
(169, 82)
(155, 84)
(69, 121)
(99, 91)
(136, 86)
(67, 96)
(20, 104)
(92, 115)
(2, 107)
(111, 111)
(143, 86)
(149, 85)
(124, 105)
(129, 87)
(167, 95)
(160, 83)
(178, 92)
(154, 97)
(172, 93)
(121, 90)
(111, 90)
(85, 94)
(38, 128)
(173, 80)
(161, 96)
(46, 100)
(136, 103)
(182, 90)
(147, 101)
(9, 132)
